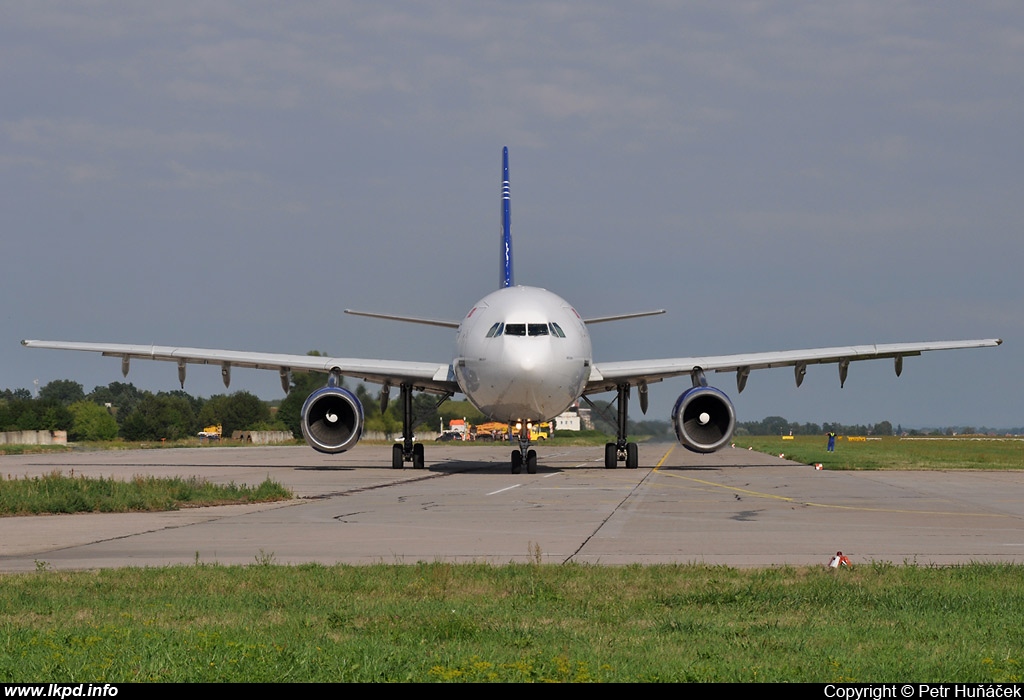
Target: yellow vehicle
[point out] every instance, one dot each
(211, 432)
(499, 431)
(494, 430)
(541, 431)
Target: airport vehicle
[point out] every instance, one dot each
(211, 432)
(538, 431)
(522, 355)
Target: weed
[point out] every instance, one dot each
(535, 553)
(265, 558)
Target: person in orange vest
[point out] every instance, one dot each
(838, 560)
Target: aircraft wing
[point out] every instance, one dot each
(605, 376)
(424, 376)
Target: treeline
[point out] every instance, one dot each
(777, 425)
(120, 410)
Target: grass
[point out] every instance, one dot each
(32, 449)
(129, 445)
(444, 622)
(895, 453)
(57, 493)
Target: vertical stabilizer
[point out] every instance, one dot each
(507, 279)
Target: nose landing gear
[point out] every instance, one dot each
(524, 454)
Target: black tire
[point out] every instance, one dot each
(531, 462)
(632, 455)
(418, 458)
(517, 461)
(396, 456)
(611, 456)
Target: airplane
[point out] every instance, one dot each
(522, 356)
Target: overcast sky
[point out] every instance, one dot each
(776, 175)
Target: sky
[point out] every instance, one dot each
(776, 175)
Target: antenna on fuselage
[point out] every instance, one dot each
(507, 279)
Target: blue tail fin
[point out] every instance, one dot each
(507, 279)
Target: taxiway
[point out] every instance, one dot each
(734, 507)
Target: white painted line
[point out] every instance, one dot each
(507, 488)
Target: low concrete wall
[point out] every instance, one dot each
(261, 437)
(375, 435)
(34, 437)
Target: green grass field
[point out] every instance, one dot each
(443, 622)
(58, 493)
(895, 453)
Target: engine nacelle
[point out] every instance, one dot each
(704, 419)
(332, 420)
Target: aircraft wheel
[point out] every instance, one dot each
(517, 461)
(418, 459)
(611, 455)
(531, 462)
(632, 455)
(396, 456)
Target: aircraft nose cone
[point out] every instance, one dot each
(528, 363)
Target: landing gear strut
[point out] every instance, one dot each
(407, 450)
(622, 450)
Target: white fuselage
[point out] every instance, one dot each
(522, 353)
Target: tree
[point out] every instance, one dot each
(159, 416)
(91, 422)
(19, 414)
(63, 391)
(775, 425)
(424, 412)
(238, 411)
(122, 397)
(459, 409)
(883, 428)
(375, 420)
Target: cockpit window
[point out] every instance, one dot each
(531, 329)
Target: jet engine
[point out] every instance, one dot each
(704, 419)
(332, 420)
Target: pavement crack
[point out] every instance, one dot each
(608, 517)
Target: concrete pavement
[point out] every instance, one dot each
(735, 507)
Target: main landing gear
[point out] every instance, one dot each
(621, 450)
(524, 454)
(399, 456)
(407, 450)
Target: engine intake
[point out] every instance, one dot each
(704, 419)
(332, 420)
